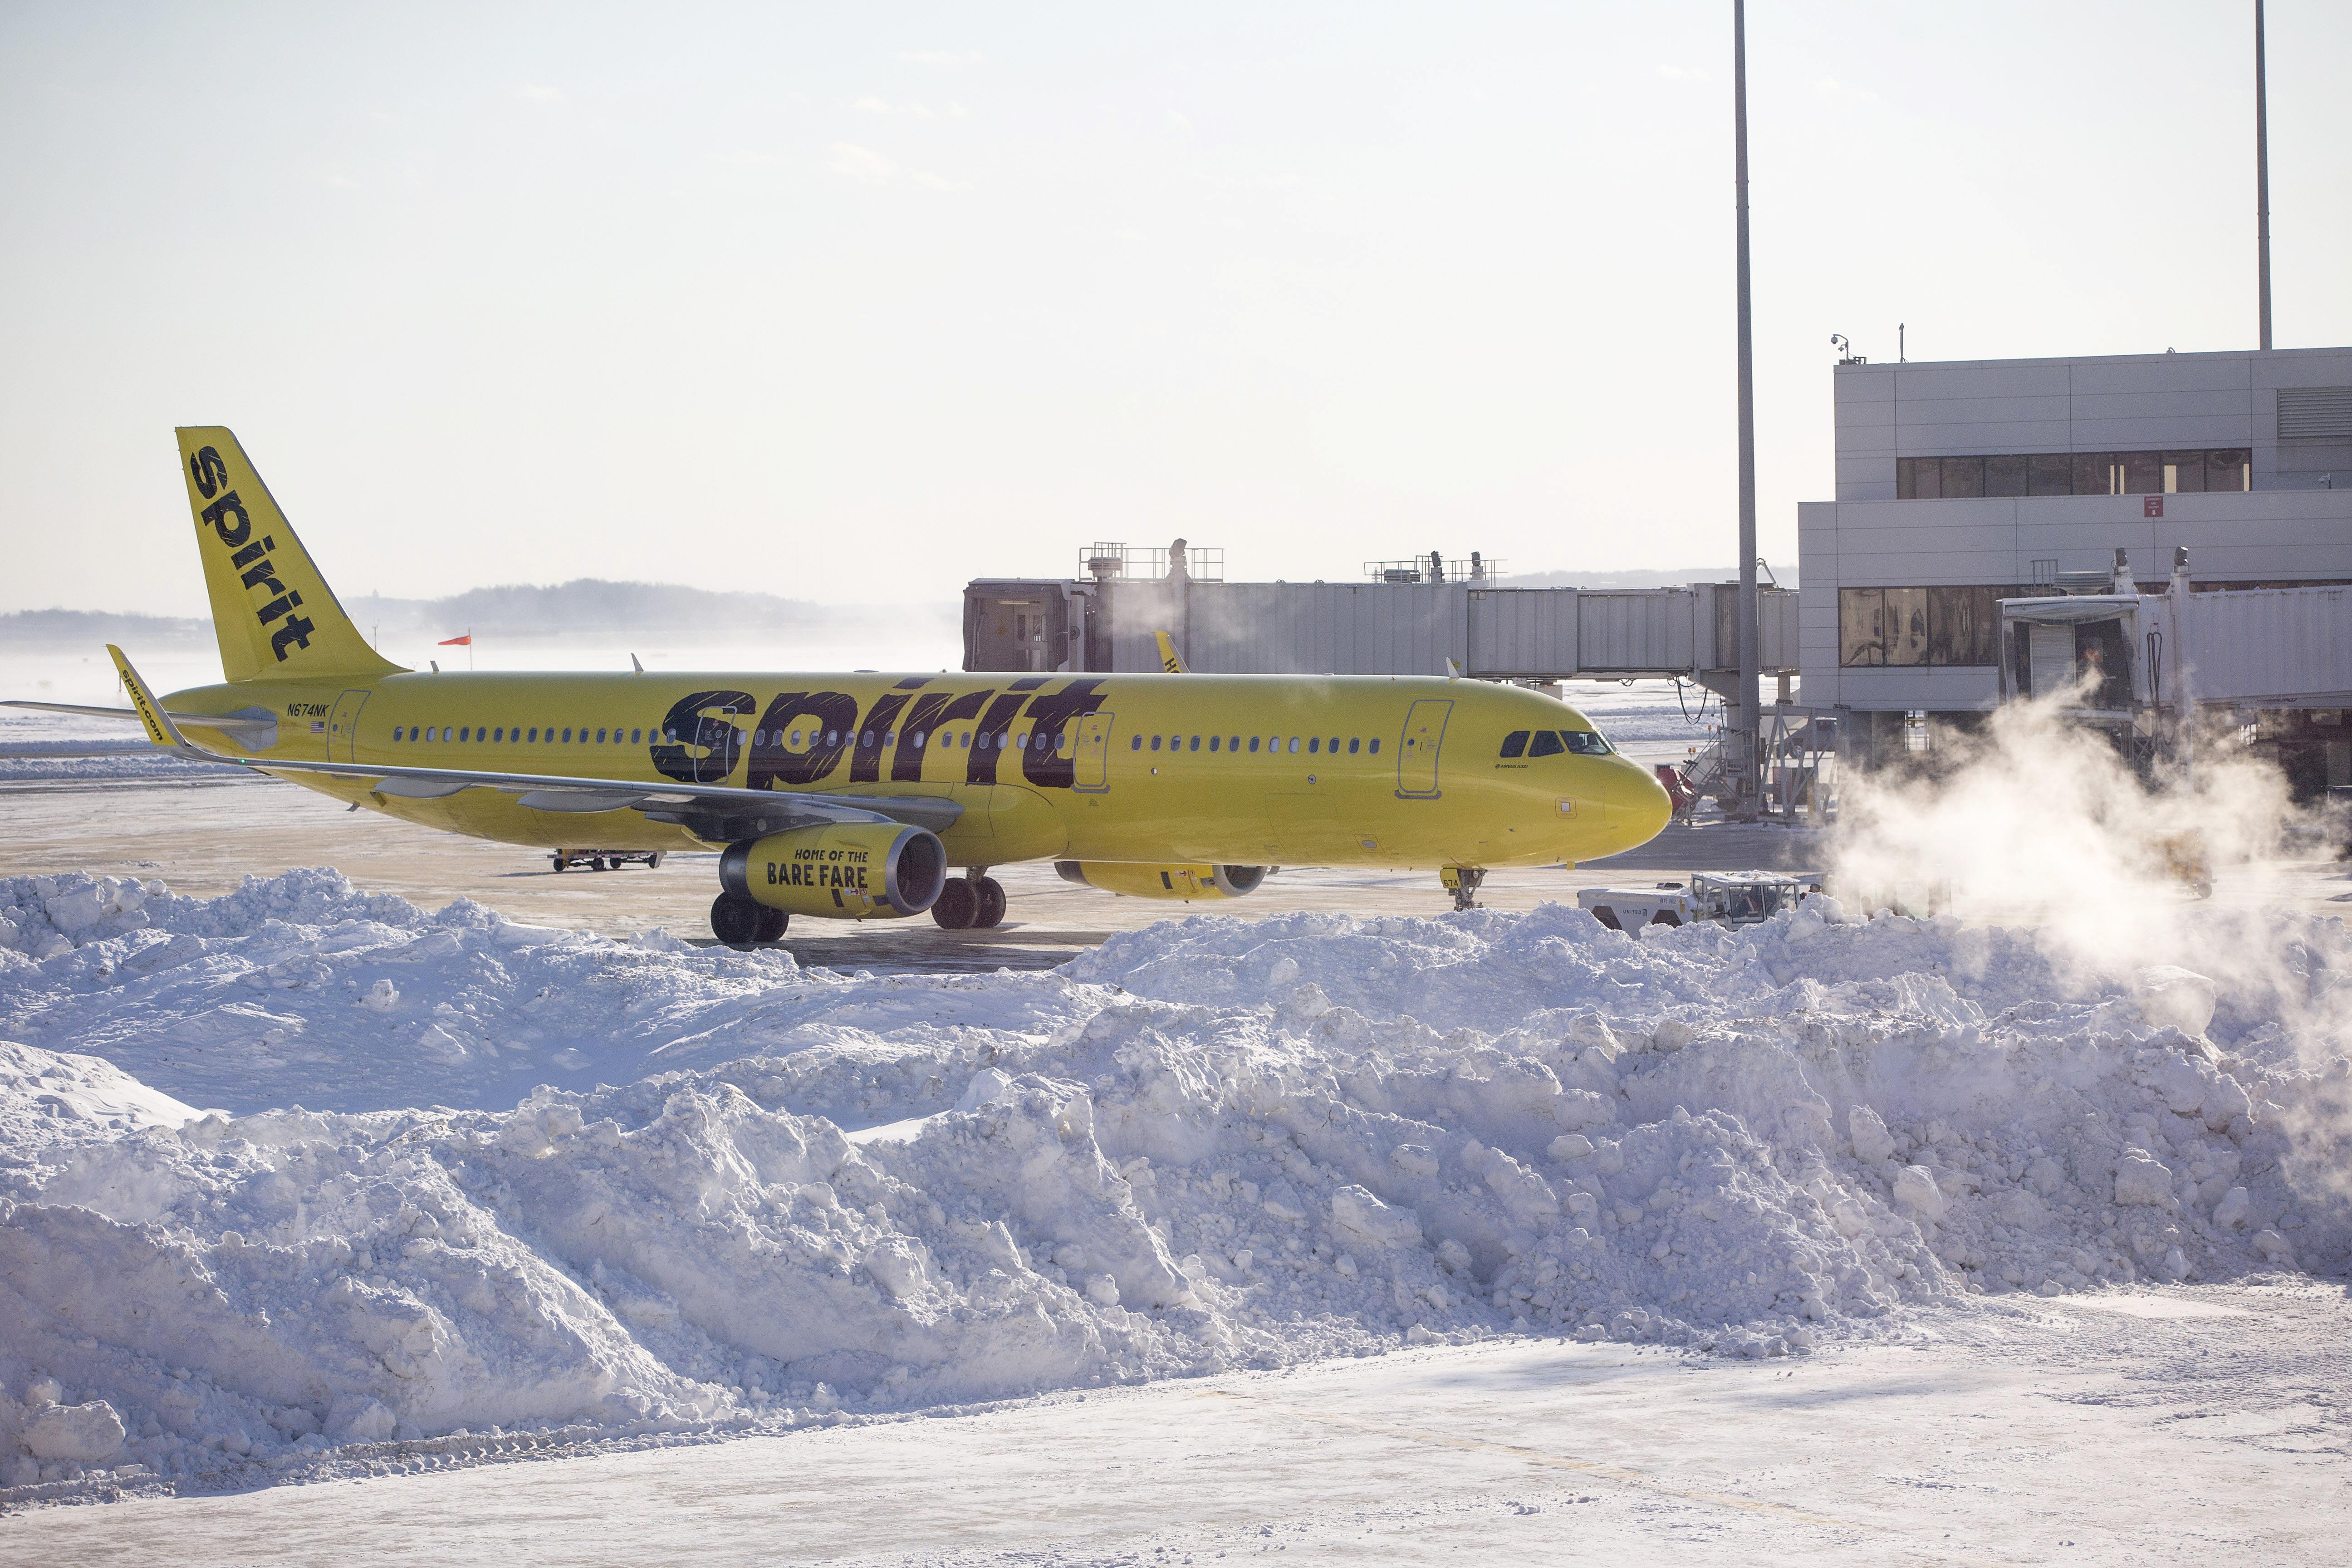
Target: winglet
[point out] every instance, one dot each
(1453, 670)
(160, 728)
(1170, 660)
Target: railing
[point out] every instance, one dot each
(1434, 568)
(1111, 561)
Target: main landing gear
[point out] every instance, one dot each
(972, 902)
(744, 925)
(1463, 882)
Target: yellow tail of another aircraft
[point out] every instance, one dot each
(272, 610)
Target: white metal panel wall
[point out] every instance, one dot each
(1137, 610)
(1642, 628)
(1776, 628)
(2284, 643)
(1307, 628)
(1523, 631)
(1379, 628)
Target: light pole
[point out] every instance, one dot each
(2262, 181)
(1751, 725)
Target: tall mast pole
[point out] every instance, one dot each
(2262, 179)
(1751, 726)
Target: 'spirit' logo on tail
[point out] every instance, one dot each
(251, 559)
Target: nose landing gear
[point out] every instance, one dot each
(970, 903)
(1463, 882)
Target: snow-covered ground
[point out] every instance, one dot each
(302, 1179)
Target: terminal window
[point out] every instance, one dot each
(1926, 626)
(2075, 474)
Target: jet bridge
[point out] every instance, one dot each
(1387, 625)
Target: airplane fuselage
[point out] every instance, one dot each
(1149, 768)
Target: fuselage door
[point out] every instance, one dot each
(1091, 767)
(343, 727)
(1425, 731)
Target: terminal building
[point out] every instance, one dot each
(1960, 484)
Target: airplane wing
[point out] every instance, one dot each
(715, 812)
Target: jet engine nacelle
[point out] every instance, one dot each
(849, 871)
(1186, 882)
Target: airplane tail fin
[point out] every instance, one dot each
(272, 610)
(1170, 660)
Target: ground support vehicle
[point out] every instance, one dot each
(605, 860)
(1730, 897)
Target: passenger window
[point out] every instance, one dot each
(1515, 745)
(600, 736)
(1252, 744)
(1314, 745)
(1234, 744)
(1376, 745)
(1585, 742)
(1335, 745)
(395, 732)
(466, 734)
(1294, 745)
(1195, 745)
(1547, 744)
(636, 737)
(1155, 742)
(1212, 742)
(1354, 744)
(1135, 743)
(833, 737)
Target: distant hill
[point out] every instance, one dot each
(97, 625)
(521, 610)
(594, 604)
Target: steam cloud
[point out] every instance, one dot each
(2036, 820)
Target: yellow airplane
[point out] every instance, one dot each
(851, 796)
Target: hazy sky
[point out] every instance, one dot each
(857, 302)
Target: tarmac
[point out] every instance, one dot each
(203, 836)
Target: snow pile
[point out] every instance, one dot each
(301, 989)
(1207, 1144)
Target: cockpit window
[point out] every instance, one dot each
(1546, 744)
(1586, 743)
(1515, 745)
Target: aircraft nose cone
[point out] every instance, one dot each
(1638, 806)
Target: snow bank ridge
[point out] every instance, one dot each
(1208, 1144)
